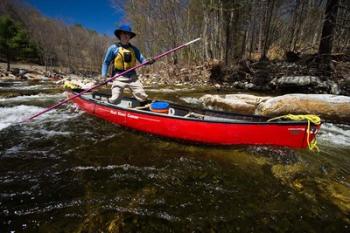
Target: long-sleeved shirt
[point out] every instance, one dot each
(112, 52)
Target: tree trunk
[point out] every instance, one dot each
(328, 29)
(252, 29)
(252, 40)
(294, 25)
(236, 51)
(228, 41)
(8, 58)
(261, 25)
(220, 25)
(244, 45)
(205, 31)
(269, 13)
(299, 26)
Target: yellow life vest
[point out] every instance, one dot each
(125, 59)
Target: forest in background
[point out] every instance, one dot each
(231, 30)
(236, 29)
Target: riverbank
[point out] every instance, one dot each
(302, 75)
(305, 75)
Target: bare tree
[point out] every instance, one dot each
(328, 29)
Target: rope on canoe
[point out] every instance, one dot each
(316, 120)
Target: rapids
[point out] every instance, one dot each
(70, 172)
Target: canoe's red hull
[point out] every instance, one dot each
(291, 134)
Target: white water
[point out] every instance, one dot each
(32, 87)
(26, 98)
(124, 167)
(49, 125)
(334, 135)
(13, 115)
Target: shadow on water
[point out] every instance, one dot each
(70, 172)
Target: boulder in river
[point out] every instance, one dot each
(332, 107)
(240, 103)
(335, 108)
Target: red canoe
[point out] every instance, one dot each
(202, 126)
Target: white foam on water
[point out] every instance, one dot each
(51, 207)
(16, 114)
(49, 125)
(124, 167)
(61, 116)
(333, 134)
(25, 98)
(15, 149)
(11, 82)
(53, 133)
(20, 87)
(92, 168)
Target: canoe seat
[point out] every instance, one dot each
(211, 118)
(194, 115)
(143, 107)
(222, 119)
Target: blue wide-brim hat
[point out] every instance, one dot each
(124, 28)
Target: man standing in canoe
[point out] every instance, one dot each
(124, 56)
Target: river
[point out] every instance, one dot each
(71, 172)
